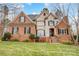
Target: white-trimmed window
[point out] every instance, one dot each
(26, 30)
(62, 31)
(40, 23)
(21, 19)
(41, 33)
(52, 22)
(15, 30)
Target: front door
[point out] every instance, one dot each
(51, 32)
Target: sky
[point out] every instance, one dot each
(36, 8)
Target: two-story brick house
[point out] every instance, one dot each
(46, 25)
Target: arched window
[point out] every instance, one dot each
(41, 33)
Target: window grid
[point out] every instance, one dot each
(63, 31)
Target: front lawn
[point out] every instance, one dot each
(8, 48)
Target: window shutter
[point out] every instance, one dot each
(67, 31)
(13, 30)
(17, 29)
(44, 32)
(24, 30)
(29, 30)
(58, 31)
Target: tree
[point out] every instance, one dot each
(64, 10)
(75, 21)
(5, 20)
(61, 9)
(8, 11)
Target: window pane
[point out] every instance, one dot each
(40, 23)
(22, 19)
(15, 30)
(26, 30)
(61, 31)
(40, 33)
(51, 23)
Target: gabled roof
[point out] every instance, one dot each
(52, 16)
(32, 16)
(64, 20)
(37, 16)
(24, 15)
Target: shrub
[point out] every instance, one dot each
(37, 38)
(32, 36)
(16, 40)
(6, 36)
(26, 40)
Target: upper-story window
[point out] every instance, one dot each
(22, 18)
(52, 22)
(40, 23)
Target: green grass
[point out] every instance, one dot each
(8, 48)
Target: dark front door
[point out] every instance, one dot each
(51, 32)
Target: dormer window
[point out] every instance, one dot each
(44, 14)
(21, 18)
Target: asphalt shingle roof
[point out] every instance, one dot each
(33, 16)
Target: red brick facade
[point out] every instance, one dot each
(21, 36)
(21, 25)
